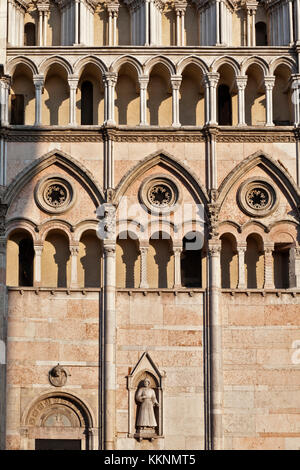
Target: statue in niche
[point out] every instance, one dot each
(146, 421)
(58, 376)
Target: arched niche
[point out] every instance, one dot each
(53, 420)
(145, 368)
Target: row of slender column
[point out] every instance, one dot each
(210, 82)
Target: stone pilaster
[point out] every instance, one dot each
(38, 81)
(213, 79)
(73, 83)
(143, 81)
(175, 82)
(269, 85)
(241, 82)
(216, 360)
(144, 267)
(110, 80)
(38, 250)
(241, 260)
(177, 250)
(74, 249)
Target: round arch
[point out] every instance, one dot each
(20, 60)
(159, 60)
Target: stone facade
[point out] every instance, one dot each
(149, 224)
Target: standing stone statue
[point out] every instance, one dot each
(146, 421)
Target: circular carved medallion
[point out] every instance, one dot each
(257, 197)
(54, 194)
(159, 194)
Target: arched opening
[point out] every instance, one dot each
(254, 262)
(159, 103)
(160, 261)
(261, 36)
(90, 96)
(281, 257)
(227, 97)
(86, 103)
(127, 102)
(255, 97)
(22, 97)
(58, 421)
(20, 256)
(89, 260)
(224, 106)
(192, 102)
(229, 262)
(123, 25)
(55, 98)
(29, 34)
(282, 102)
(191, 260)
(128, 261)
(56, 260)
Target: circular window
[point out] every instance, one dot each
(159, 194)
(257, 197)
(54, 194)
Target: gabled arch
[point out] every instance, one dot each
(56, 60)
(64, 161)
(183, 63)
(226, 60)
(157, 60)
(272, 167)
(257, 61)
(83, 62)
(126, 59)
(172, 164)
(20, 60)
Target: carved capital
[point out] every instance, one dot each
(106, 213)
(241, 82)
(110, 78)
(176, 81)
(269, 83)
(212, 79)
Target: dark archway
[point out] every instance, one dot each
(224, 106)
(87, 103)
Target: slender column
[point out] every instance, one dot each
(253, 14)
(73, 82)
(268, 266)
(215, 326)
(269, 84)
(175, 82)
(74, 249)
(296, 98)
(294, 273)
(213, 79)
(38, 251)
(76, 22)
(241, 259)
(5, 89)
(143, 267)
(10, 22)
(207, 102)
(109, 27)
(241, 82)
(110, 80)
(143, 81)
(248, 28)
(45, 27)
(217, 23)
(182, 27)
(107, 232)
(38, 81)
(115, 28)
(40, 28)
(177, 28)
(177, 266)
(147, 23)
(291, 26)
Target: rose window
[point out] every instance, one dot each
(258, 198)
(160, 196)
(56, 195)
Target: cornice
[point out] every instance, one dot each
(148, 134)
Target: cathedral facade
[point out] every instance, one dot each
(149, 224)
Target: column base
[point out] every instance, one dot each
(176, 125)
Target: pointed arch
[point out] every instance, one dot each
(64, 161)
(273, 167)
(159, 60)
(289, 63)
(226, 60)
(126, 59)
(183, 63)
(172, 164)
(83, 62)
(255, 60)
(20, 60)
(56, 60)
